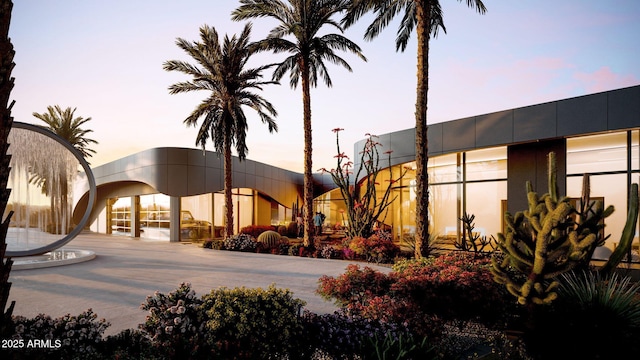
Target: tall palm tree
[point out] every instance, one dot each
(425, 16)
(68, 127)
(221, 70)
(65, 125)
(297, 34)
(6, 122)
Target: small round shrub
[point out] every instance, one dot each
(241, 242)
(245, 323)
(282, 230)
(173, 324)
(376, 248)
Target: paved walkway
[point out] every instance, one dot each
(126, 270)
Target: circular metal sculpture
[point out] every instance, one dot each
(39, 163)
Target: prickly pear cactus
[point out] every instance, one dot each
(548, 239)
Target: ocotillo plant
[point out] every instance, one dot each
(6, 121)
(364, 205)
(552, 237)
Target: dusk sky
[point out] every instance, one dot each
(105, 59)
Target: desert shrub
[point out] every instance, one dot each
(344, 336)
(453, 286)
(269, 239)
(244, 323)
(421, 294)
(66, 337)
(129, 344)
(173, 324)
(355, 288)
(601, 311)
(296, 250)
(292, 230)
(377, 248)
(215, 244)
(241, 242)
(329, 252)
(256, 230)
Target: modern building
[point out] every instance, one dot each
(478, 165)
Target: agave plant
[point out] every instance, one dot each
(618, 296)
(596, 316)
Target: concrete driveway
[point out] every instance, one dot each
(126, 270)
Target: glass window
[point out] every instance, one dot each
(443, 168)
(154, 216)
(486, 164)
(443, 213)
(121, 216)
(635, 149)
(614, 191)
(597, 153)
(484, 200)
(195, 217)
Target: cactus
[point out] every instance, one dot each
(470, 240)
(629, 231)
(548, 239)
(269, 239)
(282, 230)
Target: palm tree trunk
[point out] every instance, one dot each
(6, 122)
(423, 14)
(308, 148)
(228, 183)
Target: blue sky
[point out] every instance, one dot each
(105, 59)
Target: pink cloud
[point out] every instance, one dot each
(604, 79)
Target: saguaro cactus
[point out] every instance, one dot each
(6, 121)
(548, 239)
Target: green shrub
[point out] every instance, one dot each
(215, 244)
(244, 323)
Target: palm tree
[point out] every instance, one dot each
(65, 125)
(68, 127)
(221, 71)
(6, 122)
(300, 21)
(425, 16)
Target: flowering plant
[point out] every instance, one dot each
(172, 323)
(341, 335)
(377, 248)
(66, 336)
(364, 206)
(329, 252)
(456, 286)
(241, 242)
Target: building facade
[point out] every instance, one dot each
(477, 165)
